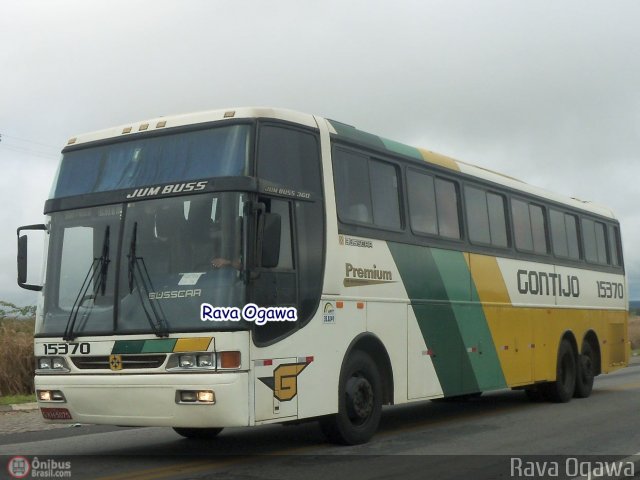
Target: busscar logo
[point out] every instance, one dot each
(356, 276)
(284, 382)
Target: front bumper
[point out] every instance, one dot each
(150, 400)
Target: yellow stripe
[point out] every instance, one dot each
(438, 159)
(199, 344)
(527, 339)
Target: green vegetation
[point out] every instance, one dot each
(16, 350)
(13, 399)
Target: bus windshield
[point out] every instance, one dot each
(144, 267)
(137, 162)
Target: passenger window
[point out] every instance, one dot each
(614, 246)
(564, 234)
(595, 244)
(486, 217)
(422, 203)
(529, 227)
(447, 205)
(385, 194)
(353, 199)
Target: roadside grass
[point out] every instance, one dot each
(14, 399)
(16, 357)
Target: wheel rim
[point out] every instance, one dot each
(360, 399)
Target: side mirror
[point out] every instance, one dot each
(270, 240)
(22, 257)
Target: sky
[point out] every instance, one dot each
(544, 91)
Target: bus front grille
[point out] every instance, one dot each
(128, 362)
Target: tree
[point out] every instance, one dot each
(8, 309)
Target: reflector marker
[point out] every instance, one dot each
(161, 124)
(263, 363)
(428, 353)
(360, 305)
(505, 347)
(339, 304)
(126, 130)
(472, 349)
(307, 360)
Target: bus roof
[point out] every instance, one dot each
(342, 130)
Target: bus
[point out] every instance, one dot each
(251, 266)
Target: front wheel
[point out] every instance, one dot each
(199, 433)
(359, 402)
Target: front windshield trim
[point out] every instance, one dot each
(213, 185)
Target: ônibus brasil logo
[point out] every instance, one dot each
(18, 467)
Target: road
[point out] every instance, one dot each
(474, 439)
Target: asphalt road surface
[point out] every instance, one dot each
(480, 438)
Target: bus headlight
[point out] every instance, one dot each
(51, 365)
(187, 361)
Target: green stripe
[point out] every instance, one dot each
(435, 313)
(472, 323)
(451, 319)
(402, 149)
(144, 346)
(159, 346)
(128, 346)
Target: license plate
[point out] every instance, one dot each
(56, 413)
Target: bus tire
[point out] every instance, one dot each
(585, 374)
(561, 391)
(199, 433)
(359, 402)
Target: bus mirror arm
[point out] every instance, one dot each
(22, 257)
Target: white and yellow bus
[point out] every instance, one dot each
(174, 244)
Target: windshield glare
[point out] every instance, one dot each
(174, 254)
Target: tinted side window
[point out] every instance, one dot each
(497, 220)
(538, 228)
(564, 234)
(447, 206)
(385, 194)
(595, 244)
(477, 215)
(422, 202)
(486, 217)
(571, 223)
(289, 157)
(601, 243)
(558, 233)
(351, 178)
(614, 246)
(529, 226)
(522, 225)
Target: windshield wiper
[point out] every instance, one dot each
(142, 281)
(97, 275)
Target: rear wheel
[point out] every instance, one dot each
(563, 388)
(200, 433)
(360, 402)
(586, 371)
